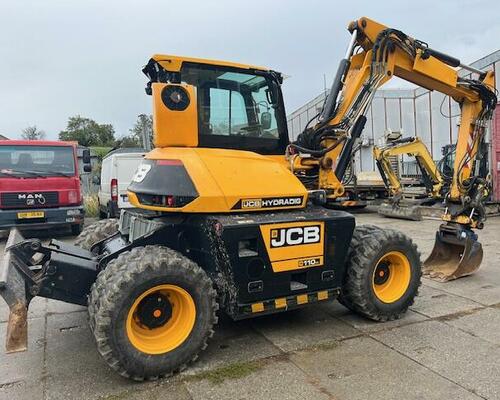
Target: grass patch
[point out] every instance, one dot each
(232, 371)
(91, 205)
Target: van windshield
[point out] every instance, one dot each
(37, 160)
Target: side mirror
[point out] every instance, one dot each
(96, 180)
(86, 156)
(265, 120)
(87, 168)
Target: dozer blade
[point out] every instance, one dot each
(13, 290)
(55, 271)
(456, 253)
(400, 211)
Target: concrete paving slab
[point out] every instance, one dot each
(166, 389)
(59, 307)
(74, 368)
(275, 381)
(483, 287)
(436, 303)
(299, 329)
(362, 368)
(24, 368)
(484, 324)
(22, 390)
(462, 358)
(365, 325)
(233, 342)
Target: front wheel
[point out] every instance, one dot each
(153, 312)
(383, 273)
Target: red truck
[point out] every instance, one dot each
(40, 184)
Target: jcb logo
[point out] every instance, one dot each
(251, 203)
(295, 236)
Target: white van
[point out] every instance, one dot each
(118, 167)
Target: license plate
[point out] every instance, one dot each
(30, 214)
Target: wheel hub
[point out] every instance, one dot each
(154, 311)
(382, 274)
(391, 277)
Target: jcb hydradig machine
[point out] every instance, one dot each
(235, 218)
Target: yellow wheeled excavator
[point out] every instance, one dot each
(231, 216)
(433, 181)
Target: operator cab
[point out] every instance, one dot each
(237, 106)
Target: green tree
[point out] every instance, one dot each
(87, 132)
(32, 133)
(142, 130)
(127, 141)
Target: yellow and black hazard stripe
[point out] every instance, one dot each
(287, 303)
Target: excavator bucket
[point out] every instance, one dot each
(393, 210)
(456, 253)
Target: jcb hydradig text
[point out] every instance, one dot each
(232, 216)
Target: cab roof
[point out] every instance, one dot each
(174, 63)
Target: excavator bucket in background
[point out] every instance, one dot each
(456, 253)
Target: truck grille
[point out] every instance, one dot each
(29, 199)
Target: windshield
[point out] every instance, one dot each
(235, 109)
(37, 160)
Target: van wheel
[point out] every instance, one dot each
(94, 233)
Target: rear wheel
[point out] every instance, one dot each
(153, 312)
(96, 232)
(383, 273)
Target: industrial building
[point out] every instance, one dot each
(431, 116)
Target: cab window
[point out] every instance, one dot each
(237, 110)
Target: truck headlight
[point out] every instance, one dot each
(73, 212)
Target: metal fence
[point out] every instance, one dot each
(431, 116)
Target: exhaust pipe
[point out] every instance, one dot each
(456, 253)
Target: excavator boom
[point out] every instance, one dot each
(375, 55)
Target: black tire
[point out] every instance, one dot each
(122, 282)
(96, 232)
(76, 229)
(369, 244)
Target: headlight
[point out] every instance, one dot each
(73, 212)
(73, 196)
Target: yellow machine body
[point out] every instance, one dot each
(171, 127)
(231, 181)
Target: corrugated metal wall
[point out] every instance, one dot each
(431, 116)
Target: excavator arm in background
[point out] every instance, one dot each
(431, 176)
(413, 147)
(375, 55)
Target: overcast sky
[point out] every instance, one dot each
(62, 58)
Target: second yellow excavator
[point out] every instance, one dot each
(397, 206)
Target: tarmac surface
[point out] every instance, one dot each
(446, 347)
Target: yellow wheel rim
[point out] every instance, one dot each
(391, 277)
(161, 319)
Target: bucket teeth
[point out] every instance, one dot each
(455, 254)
